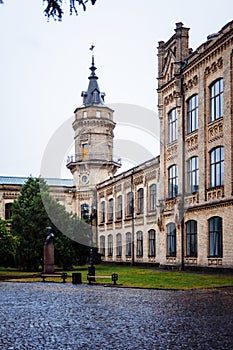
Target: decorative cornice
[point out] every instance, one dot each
(191, 142)
(10, 195)
(172, 151)
(207, 206)
(213, 67)
(191, 83)
(215, 130)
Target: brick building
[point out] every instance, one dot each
(195, 111)
(176, 209)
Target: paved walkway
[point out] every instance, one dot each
(57, 316)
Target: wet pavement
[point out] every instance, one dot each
(57, 316)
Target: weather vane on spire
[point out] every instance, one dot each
(93, 64)
(92, 47)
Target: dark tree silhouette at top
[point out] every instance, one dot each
(53, 8)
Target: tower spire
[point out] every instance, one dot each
(93, 96)
(92, 68)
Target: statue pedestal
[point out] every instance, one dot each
(48, 258)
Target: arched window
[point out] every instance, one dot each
(129, 203)
(171, 239)
(128, 244)
(191, 238)
(192, 114)
(172, 181)
(110, 245)
(172, 126)
(119, 245)
(139, 244)
(151, 236)
(102, 212)
(140, 201)
(110, 209)
(216, 100)
(193, 175)
(8, 210)
(217, 167)
(119, 208)
(102, 245)
(215, 237)
(152, 204)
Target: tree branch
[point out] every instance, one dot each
(54, 7)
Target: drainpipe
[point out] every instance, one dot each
(132, 243)
(182, 165)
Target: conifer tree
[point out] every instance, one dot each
(32, 212)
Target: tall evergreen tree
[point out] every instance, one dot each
(29, 220)
(32, 212)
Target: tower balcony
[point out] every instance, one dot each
(96, 157)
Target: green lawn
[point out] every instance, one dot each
(141, 277)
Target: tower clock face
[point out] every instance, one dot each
(84, 179)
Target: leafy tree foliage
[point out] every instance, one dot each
(35, 210)
(54, 8)
(8, 245)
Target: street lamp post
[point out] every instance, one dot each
(91, 267)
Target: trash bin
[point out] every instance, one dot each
(76, 278)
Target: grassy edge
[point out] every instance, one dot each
(137, 277)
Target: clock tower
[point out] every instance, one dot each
(93, 127)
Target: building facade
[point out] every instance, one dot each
(195, 111)
(127, 212)
(176, 209)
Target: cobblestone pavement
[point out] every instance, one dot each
(57, 316)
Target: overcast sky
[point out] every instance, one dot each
(45, 65)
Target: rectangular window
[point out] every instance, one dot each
(85, 151)
(85, 211)
(8, 210)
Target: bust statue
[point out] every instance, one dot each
(49, 236)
